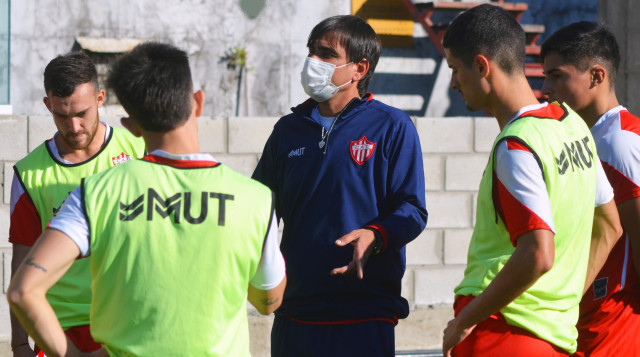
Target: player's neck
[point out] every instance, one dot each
(76, 156)
(598, 107)
(510, 94)
(179, 141)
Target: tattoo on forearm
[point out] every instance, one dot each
(35, 265)
(271, 301)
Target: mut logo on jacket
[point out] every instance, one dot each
(573, 154)
(297, 152)
(174, 205)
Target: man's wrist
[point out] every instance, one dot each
(378, 243)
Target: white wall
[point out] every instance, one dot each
(275, 41)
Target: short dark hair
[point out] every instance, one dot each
(65, 72)
(583, 43)
(487, 30)
(357, 38)
(153, 84)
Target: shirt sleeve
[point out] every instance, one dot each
(522, 199)
(620, 155)
(71, 221)
(604, 191)
(25, 226)
(266, 172)
(271, 269)
(407, 215)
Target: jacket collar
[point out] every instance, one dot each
(304, 109)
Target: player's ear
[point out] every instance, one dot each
(362, 68)
(198, 98)
(100, 97)
(47, 102)
(598, 75)
(481, 63)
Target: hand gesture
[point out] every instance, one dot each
(362, 241)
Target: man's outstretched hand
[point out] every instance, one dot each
(363, 241)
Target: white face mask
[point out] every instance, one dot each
(316, 79)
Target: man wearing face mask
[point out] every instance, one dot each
(348, 178)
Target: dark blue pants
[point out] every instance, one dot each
(294, 339)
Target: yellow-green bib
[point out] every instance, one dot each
(566, 153)
(48, 182)
(172, 252)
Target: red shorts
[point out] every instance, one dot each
(612, 329)
(496, 338)
(81, 337)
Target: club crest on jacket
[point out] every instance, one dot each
(361, 150)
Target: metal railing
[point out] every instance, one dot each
(419, 353)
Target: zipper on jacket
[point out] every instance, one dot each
(325, 140)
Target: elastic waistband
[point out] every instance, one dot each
(393, 321)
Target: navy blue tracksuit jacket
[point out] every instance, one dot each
(368, 173)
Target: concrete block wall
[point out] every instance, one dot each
(455, 152)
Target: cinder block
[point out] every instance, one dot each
(5, 327)
(464, 172)
(435, 286)
(6, 270)
(4, 226)
(407, 286)
(474, 210)
(449, 210)
(433, 172)
(486, 131)
(5, 346)
(212, 134)
(259, 332)
(41, 128)
(7, 179)
(13, 129)
(456, 245)
(426, 249)
(247, 135)
(422, 330)
(245, 164)
(451, 135)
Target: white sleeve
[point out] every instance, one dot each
(518, 171)
(604, 191)
(271, 269)
(16, 192)
(71, 221)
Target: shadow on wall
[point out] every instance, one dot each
(556, 14)
(425, 92)
(252, 8)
